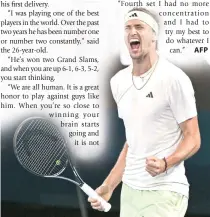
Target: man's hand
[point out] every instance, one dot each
(105, 192)
(155, 166)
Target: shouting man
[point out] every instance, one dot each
(156, 101)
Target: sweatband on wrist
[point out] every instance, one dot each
(166, 165)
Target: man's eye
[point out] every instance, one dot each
(139, 27)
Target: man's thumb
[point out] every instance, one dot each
(102, 189)
(151, 158)
(99, 190)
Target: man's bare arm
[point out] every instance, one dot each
(115, 176)
(112, 180)
(189, 145)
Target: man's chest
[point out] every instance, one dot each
(146, 104)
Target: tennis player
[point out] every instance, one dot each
(156, 101)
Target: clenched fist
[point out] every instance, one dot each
(155, 166)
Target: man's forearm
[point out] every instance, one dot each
(187, 148)
(115, 176)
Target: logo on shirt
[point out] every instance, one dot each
(150, 95)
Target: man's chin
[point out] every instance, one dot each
(135, 55)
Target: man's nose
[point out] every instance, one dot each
(133, 31)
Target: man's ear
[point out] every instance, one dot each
(154, 37)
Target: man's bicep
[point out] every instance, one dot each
(190, 126)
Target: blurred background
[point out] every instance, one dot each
(25, 195)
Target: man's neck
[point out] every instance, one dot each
(140, 66)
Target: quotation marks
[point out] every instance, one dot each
(80, 41)
(10, 11)
(182, 49)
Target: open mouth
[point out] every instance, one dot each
(134, 43)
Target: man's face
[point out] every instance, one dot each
(139, 38)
